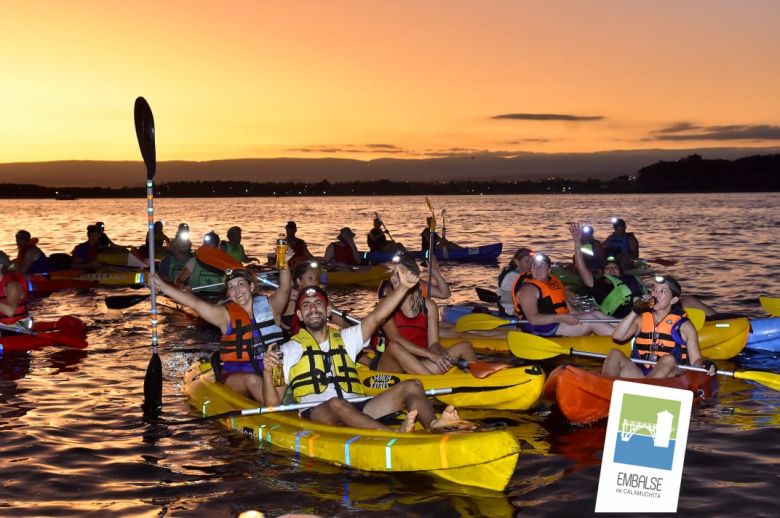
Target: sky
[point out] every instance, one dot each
(368, 79)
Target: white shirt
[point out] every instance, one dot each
(293, 352)
(505, 292)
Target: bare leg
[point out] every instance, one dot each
(459, 350)
(407, 395)
(448, 418)
(617, 365)
(665, 368)
(336, 411)
(248, 384)
(397, 359)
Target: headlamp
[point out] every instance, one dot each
(613, 219)
(587, 229)
(314, 264)
(660, 279)
(184, 235)
(396, 259)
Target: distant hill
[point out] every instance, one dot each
(528, 166)
(759, 173)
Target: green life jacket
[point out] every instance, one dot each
(203, 275)
(621, 294)
(235, 251)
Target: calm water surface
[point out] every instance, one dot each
(74, 443)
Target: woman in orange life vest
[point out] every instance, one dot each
(248, 322)
(541, 300)
(413, 334)
(662, 333)
(13, 294)
(342, 253)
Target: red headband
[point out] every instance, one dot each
(312, 291)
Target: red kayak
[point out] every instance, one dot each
(39, 283)
(583, 397)
(68, 331)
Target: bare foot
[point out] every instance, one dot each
(408, 424)
(447, 419)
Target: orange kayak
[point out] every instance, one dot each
(583, 397)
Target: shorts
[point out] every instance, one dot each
(543, 330)
(229, 368)
(306, 412)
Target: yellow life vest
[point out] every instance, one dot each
(317, 368)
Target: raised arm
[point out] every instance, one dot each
(579, 260)
(211, 313)
(281, 296)
(386, 306)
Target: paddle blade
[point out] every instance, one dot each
(152, 404)
(124, 301)
(696, 316)
(487, 295)
(532, 347)
(144, 130)
(216, 258)
(770, 379)
(771, 305)
(480, 369)
(662, 261)
(480, 322)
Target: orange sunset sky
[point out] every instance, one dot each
(364, 79)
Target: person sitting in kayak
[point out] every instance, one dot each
(440, 243)
(297, 245)
(319, 366)
(591, 250)
(661, 332)
(30, 259)
(412, 333)
(377, 241)
(248, 323)
(105, 244)
(342, 254)
(161, 241)
(541, 299)
(615, 291)
(197, 274)
(84, 255)
(622, 245)
(177, 256)
(234, 248)
(13, 294)
(440, 288)
(518, 267)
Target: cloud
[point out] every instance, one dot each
(351, 148)
(528, 141)
(687, 131)
(548, 117)
(459, 152)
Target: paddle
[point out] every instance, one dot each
(432, 230)
(127, 301)
(379, 217)
(74, 342)
(661, 261)
(486, 295)
(533, 347)
(487, 322)
(771, 305)
(443, 225)
(144, 130)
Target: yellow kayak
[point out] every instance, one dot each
(718, 340)
(105, 277)
(361, 276)
(517, 388)
(484, 459)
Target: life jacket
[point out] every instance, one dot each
(552, 298)
(343, 254)
(505, 298)
(21, 308)
(414, 329)
(376, 240)
(624, 289)
(615, 245)
(249, 337)
(203, 275)
(654, 341)
(317, 368)
(40, 265)
(235, 251)
(171, 266)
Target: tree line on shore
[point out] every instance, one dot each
(760, 173)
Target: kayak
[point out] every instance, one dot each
(68, 331)
(129, 258)
(472, 254)
(718, 340)
(583, 397)
(104, 277)
(510, 389)
(40, 283)
(484, 459)
(764, 334)
(360, 276)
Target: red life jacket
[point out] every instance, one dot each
(21, 308)
(414, 329)
(343, 254)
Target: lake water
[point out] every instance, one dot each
(74, 442)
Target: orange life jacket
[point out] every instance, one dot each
(552, 296)
(656, 340)
(238, 346)
(21, 308)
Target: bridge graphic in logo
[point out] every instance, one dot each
(647, 431)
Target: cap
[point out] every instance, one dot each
(312, 291)
(345, 231)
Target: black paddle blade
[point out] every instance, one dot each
(124, 301)
(144, 130)
(153, 388)
(487, 295)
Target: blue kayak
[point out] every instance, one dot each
(472, 254)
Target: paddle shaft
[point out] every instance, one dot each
(647, 362)
(431, 231)
(18, 329)
(336, 312)
(379, 217)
